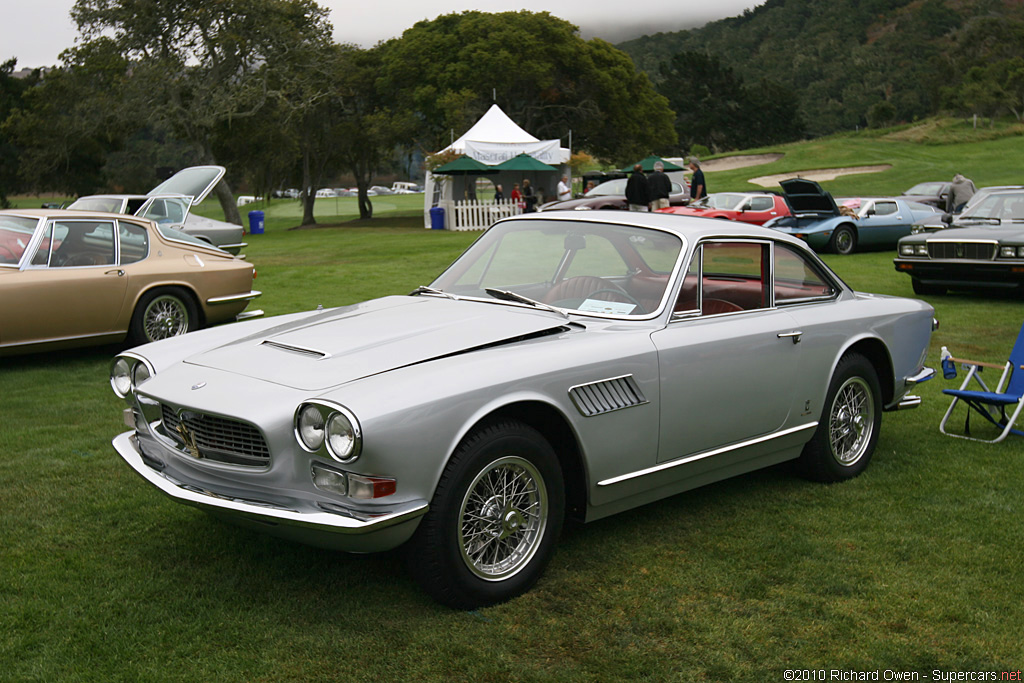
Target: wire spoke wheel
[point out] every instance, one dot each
(503, 518)
(851, 423)
(165, 316)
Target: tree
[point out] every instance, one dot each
(714, 107)
(448, 71)
(11, 91)
(198, 65)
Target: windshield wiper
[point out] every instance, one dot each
(506, 295)
(423, 289)
(981, 218)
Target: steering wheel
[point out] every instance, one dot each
(586, 286)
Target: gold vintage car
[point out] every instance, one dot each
(70, 278)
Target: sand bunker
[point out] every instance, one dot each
(818, 174)
(739, 161)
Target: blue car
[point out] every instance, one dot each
(855, 223)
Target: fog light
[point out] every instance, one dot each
(370, 487)
(329, 480)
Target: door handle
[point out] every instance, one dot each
(116, 271)
(795, 336)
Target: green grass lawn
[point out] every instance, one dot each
(913, 566)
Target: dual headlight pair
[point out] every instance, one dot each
(127, 372)
(322, 426)
(913, 250)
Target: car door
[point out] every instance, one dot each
(728, 357)
(72, 287)
(883, 223)
(759, 210)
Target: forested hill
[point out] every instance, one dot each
(852, 63)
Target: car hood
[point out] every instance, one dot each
(979, 232)
(341, 345)
(806, 196)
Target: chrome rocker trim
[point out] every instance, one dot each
(333, 522)
(248, 296)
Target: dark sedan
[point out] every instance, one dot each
(984, 249)
(612, 195)
(935, 193)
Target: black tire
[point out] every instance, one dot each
(844, 240)
(479, 545)
(922, 289)
(851, 419)
(163, 313)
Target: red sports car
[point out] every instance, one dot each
(748, 207)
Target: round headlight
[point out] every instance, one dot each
(140, 374)
(342, 437)
(120, 377)
(310, 428)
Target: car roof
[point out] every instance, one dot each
(70, 213)
(688, 227)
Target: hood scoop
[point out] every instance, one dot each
(302, 351)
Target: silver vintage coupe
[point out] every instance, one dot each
(567, 364)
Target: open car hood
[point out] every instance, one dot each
(806, 196)
(345, 344)
(195, 182)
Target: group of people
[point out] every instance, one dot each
(650, 193)
(527, 197)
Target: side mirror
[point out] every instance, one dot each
(947, 218)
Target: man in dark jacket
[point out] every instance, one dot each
(660, 187)
(698, 187)
(637, 195)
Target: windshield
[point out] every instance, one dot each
(15, 233)
(998, 207)
(721, 200)
(592, 268)
(106, 204)
(926, 189)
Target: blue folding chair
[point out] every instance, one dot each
(992, 405)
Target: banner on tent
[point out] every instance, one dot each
(493, 153)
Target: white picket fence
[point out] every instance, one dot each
(473, 214)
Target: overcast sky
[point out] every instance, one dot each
(38, 30)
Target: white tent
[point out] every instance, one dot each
(494, 138)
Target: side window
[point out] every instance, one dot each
(885, 208)
(797, 279)
(47, 245)
(730, 276)
(134, 242)
(82, 243)
(761, 204)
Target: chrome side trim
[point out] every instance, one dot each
(249, 296)
(923, 375)
(706, 454)
(334, 522)
(246, 315)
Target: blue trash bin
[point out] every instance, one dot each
(437, 218)
(255, 222)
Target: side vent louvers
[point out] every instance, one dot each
(598, 398)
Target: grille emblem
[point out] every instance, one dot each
(200, 385)
(190, 439)
(959, 251)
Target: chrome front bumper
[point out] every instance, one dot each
(908, 401)
(342, 529)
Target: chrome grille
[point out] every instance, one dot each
(216, 438)
(975, 251)
(607, 395)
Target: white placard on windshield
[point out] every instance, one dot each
(607, 307)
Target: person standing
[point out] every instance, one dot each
(529, 197)
(660, 187)
(499, 194)
(637, 192)
(564, 192)
(698, 186)
(960, 190)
